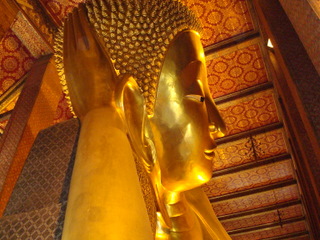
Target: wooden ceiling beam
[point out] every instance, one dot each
(254, 190)
(231, 42)
(252, 132)
(290, 236)
(251, 165)
(244, 92)
(266, 226)
(259, 210)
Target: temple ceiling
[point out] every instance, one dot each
(254, 190)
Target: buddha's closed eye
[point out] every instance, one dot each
(195, 97)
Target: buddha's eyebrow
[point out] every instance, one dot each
(196, 97)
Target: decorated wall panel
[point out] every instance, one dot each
(38, 18)
(15, 60)
(247, 179)
(272, 232)
(257, 200)
(249, 112)
(263, 218)
(29, 37)
(236, 71)
(221, 20)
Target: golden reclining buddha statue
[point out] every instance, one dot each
(135, 74)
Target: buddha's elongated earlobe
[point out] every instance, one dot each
(131, 103)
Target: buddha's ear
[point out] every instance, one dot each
(130, 101)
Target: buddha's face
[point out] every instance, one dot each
(185, 116)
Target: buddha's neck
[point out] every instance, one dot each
(181, 216)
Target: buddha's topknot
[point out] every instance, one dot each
(137, 34)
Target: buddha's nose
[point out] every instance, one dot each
(217, 127)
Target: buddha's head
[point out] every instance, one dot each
(185, 119)
(157, 43)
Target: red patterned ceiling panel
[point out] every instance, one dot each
(243, 180)
(15, 60)
(263, 218)
(236, 153)
(58, 9)
(221, 19)
(272, 232)
(291, 212)
(249, 112)
(63, 112)
(257, 200)
(236, 71)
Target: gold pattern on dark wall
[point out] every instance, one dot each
(38, 202)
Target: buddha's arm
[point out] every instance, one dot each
(105, 199)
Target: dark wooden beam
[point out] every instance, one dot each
(231, 42)
(252, 132)
(244, 92)
(266, 226)
(250, 165)
(289, 236)
(254, 190)
(259, 210)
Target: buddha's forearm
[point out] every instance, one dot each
(105, 199)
